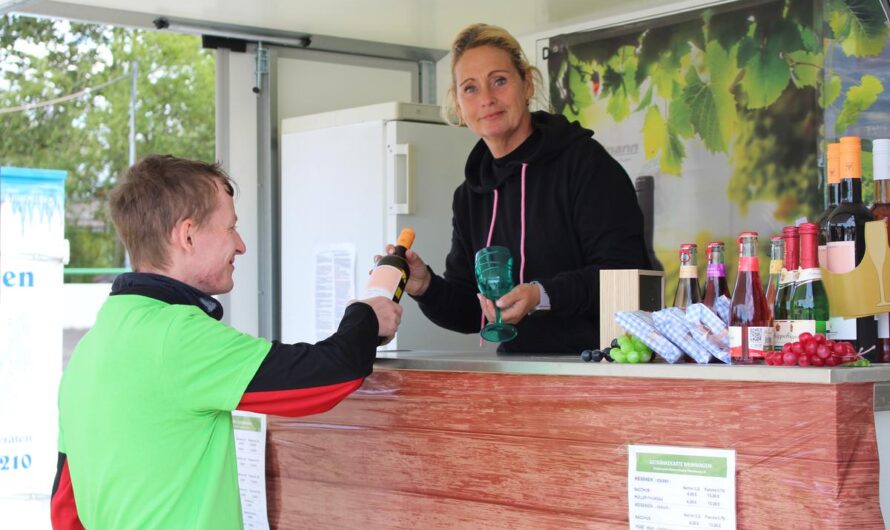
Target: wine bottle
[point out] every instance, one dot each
(688, 291)
(833, 184)
(750, 333)
(880, 150)
(846, 244)
(787, 281)
(715, 282)
(809, 303)
(776, 264)
(391, 272)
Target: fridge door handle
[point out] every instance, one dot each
(401, 179)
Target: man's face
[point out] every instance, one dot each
(216, 243)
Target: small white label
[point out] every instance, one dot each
(760, 339)
(842, 328)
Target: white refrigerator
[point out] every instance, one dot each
(351, 180)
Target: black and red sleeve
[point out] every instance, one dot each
(63, 511)
(302, 379)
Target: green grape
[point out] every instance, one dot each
(625, 343)
(618, 356)
(633, 357)
(638, 344)
(646, 356)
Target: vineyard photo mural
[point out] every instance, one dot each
(729, 109)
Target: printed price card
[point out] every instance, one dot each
(680, 487)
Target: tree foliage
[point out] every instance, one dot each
(88, 136)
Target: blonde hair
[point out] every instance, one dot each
(156, 193)
(474, 36)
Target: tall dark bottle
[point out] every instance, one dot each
(750, 332)
(846, 244)
(809, 303)
(391, 272)
(880, 150)
(833, 185)
(688, 292)
(715, 282)
(787, 281)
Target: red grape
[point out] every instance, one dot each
(823, 352)
(819, 338)
(803, 361)
(797, 348)
(810, 347)
(805, 336)
(789, 359)
(817, 361)
(786, 348)
(832, 361)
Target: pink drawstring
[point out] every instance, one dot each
(494, 215)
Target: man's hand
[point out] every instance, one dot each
(419, 278)
(514, 305)
(389, 316)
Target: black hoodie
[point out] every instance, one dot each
(581, 215)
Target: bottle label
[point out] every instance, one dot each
(688, 271)
(841, 256)
(797, 327)
(386, 281)
(760, 340)
(842, 328)
(782, 333)
(776, 266)
(716, 270)
(883, 325)
(749, 263)
(809, 275)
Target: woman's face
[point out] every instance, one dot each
(492, 98)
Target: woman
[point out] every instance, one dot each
(540, 186)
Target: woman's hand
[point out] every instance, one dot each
(419, 279)
(514, 305)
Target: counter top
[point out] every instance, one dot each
(572, 365)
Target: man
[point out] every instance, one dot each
(145, 430)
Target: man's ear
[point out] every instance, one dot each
(181, 235)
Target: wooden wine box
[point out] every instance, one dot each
(627, 290)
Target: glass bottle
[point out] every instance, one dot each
(776, 264)
(881, 209)
(846, 244)
(715, 282)
(688, 291)
(389, 276)
(750, 332)
(833, 183)
(787, 280)
(809, 303)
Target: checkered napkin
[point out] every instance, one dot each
(671, 322)
(641, 325)
(721, 307)
(709, 330)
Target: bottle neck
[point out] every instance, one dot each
(834, 195)
(851, 191)
(882, 191)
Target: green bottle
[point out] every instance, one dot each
(809, 302)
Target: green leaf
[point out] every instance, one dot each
(680, 118)
(766, 74)
(830, 91)
(712, 112)
(646, 101)
(806, 68)
(858, 26)
(654, 132)
(859, 98)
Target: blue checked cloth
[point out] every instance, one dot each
(641, 325)
(709, 330)
(671, 322)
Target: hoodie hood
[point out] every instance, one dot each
(552, 134)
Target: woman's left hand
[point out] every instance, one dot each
(514, 305)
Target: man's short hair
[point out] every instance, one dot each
(156, 193)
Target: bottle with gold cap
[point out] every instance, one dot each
(389, 276)
(846, 243)
(880, 150)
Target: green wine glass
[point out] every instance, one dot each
(494, 275)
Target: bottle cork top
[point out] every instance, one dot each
(406, 238)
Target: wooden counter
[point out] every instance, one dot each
(475, 440)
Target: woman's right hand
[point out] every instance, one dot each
(419, 279)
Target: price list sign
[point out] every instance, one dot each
(670, 488)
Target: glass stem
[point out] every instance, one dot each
(497, 313)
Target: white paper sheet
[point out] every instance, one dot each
(334, 286)
(250, 448)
